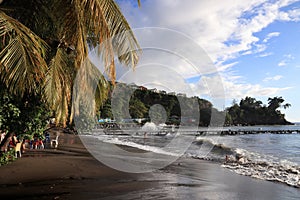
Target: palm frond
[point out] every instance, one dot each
(90, 90)
(76, 24)
(58, 86)
(98, 23)
(108, 28)
(22, 56)
(124, 43)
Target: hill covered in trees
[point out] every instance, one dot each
(132, 102)
(252, 112)
(142, 100)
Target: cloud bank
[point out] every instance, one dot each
(224, 29)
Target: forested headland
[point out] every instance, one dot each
(183, 110)
(253, 112)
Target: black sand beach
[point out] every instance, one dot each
(70, 172)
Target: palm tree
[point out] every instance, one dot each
(275, 115)
(43, 44)
(276, 102)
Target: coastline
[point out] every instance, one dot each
(70, 172)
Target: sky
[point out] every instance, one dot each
(251, 47)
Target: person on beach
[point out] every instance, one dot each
(2, 135)
(229, 159)
(23, 146)
(13, 141)
(47, 137)
(238, 158)
(226, 158)
(38, 144)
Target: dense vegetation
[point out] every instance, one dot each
(185, 110)
(25, 116)
(132, 103)
(252, 112)
(44, 45)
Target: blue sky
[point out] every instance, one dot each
(253, 44)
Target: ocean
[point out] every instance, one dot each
(272, 157)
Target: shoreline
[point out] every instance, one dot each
(70, 172)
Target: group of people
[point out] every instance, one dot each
(36, 143)
(10, 142)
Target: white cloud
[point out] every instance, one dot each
(271, 35)
(282, 63)
(223, 67)
(233, 88)
(289, 56)
(291, 15)
(257, 49)
(286, 60)
(273, 78)
(265, 54)
(224, 29)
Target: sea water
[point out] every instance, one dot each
(273, 157)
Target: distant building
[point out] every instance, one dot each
(142, 88)
(172, 93)
(181, 95)
(133, 86)
(154, 90)
(162, 92)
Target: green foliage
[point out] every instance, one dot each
(137, 108)
(248, 112)
(25, 116)
(106, 110)
(252, 112)
(43, 44)
(9, 112)
(7, 157)
(141, 101)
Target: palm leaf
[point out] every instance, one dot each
(95, 22)
(100, 23)
(89, 92)
(22, 56)
(58, 86)
(113, 32)
(77, 24)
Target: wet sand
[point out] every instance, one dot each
(70, 172)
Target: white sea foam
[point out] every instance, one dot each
(256, 165)
(123, 141)
(212, 140)
(266, 168)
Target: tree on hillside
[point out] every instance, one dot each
(252, 112)
(235, 113)
(273, 105)
(276, 102)
(137, 109)
(44, 44)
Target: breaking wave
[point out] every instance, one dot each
(253, 164)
